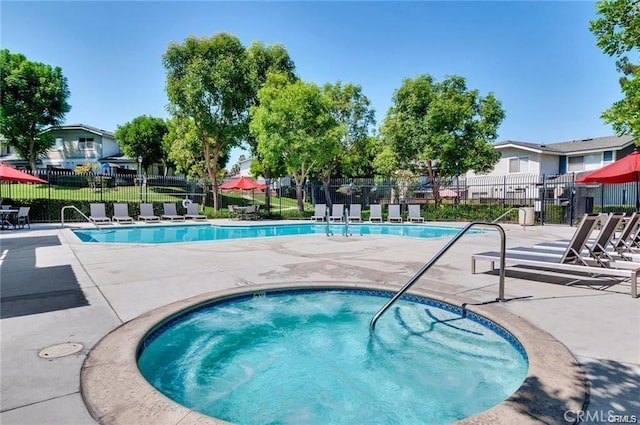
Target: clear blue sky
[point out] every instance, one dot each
(538, 58)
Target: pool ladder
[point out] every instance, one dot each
(73, 207)
(436, 257)
(345, 217)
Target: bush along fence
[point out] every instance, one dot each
(554, 198)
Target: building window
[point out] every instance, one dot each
(85, 143)
(519, 164)
(576, 163)
(607, 156)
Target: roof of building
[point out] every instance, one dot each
(573, 146)
(84, 127)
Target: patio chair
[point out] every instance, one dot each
(98, 215)
(319, 213)
(375, 213)
(571, 260)
(414, 214)
(146, 213)
(170, 212)
(234, 212)
(355, 213)
(193, 212)
(394, 214)
(337, 212)
(22, 218)
(121, 213)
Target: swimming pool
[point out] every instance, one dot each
(306, 356)
(156, 234)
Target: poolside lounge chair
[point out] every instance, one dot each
(170, 212)
(193, 212)
(375, 213)
(146, 213)
(414, 214)
(597, 250)
(98, 215)
(394, 214)
(319, 213)
(629, 238)
(571, 260)
(355, 213)
(337, 212)
(121, 213)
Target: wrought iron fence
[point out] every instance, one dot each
(554, 198)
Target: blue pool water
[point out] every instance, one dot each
(307, 357)
(154, 234)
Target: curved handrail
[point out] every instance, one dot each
(513, 209)
(436, 257)
(73, 207)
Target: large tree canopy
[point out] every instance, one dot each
(265, 60)
(142, 137)
(617, 31)
(352, 110)
(294, 126)
(33, 97)
(209, 80)
(441, 127)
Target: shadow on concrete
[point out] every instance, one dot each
(26, 289)
(616, 389)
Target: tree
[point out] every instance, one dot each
(208, 80)
(142, 137)
(265, 60)
(33, 97)
(442, 128)
(352, 110)
(294, 127)
(618, 32)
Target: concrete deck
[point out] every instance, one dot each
(55, 289)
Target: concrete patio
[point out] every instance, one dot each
(56, 289)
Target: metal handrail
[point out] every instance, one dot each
(73, 207)
(436, 257)
(513, 209)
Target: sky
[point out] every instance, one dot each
(538, 58)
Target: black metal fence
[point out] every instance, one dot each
(554, 198)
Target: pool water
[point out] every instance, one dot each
(307, 357)
(155, 234)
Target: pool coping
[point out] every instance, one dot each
(115, 392)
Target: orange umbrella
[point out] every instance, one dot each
(244, 183)
(11, 174)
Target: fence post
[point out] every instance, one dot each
(542, 200)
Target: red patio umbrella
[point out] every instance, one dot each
(624, 170)
(244, 183)
(11, 174)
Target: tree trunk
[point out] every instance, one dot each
(212, 169)
(267, 195)
(327, 194)
(435, 187)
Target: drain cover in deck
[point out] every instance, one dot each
(60, 350)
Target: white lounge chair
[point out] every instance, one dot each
(571, 260)
(394, 214)
(319, 212)
(193, 212)
(375, 213)
(170, 212)
(146, 213)
(355, 213)
(414, 214)
(121, 213)
(337, 212)
(98, 214)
